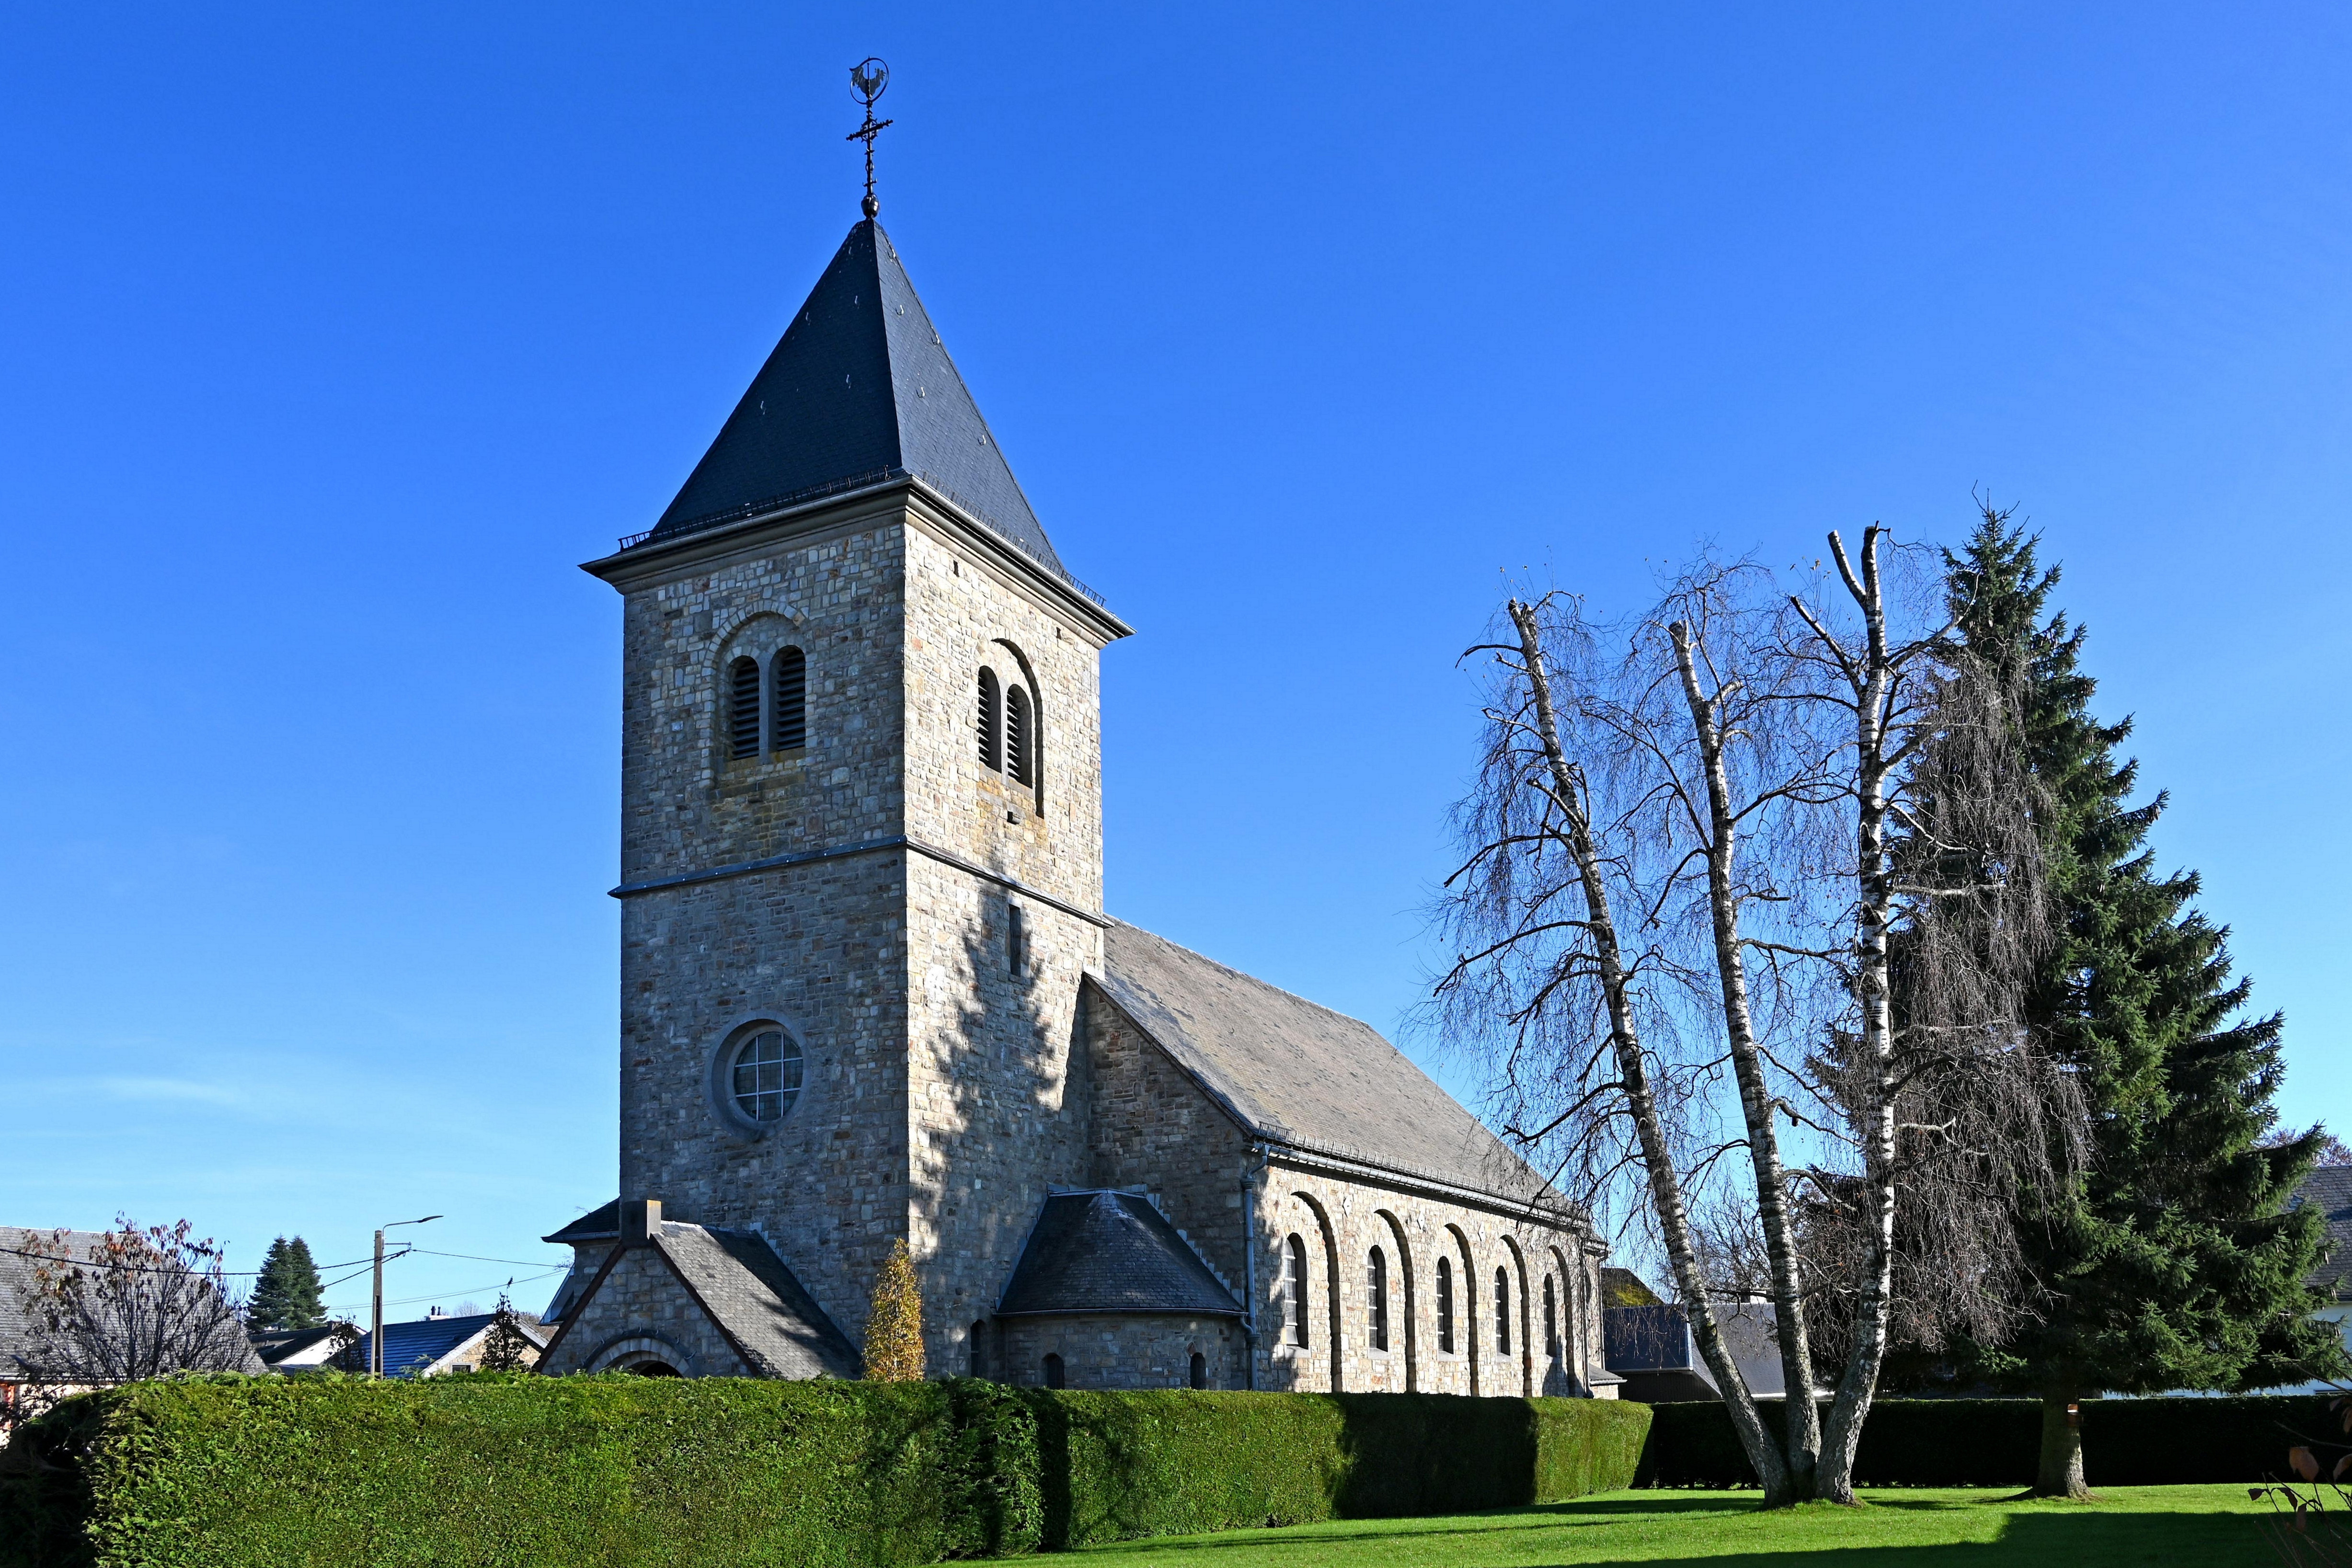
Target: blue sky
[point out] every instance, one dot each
(333, 339)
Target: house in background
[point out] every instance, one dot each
(21, 1252)
(1647, 1341)
(432, 1345)
(2330, 1187)
(299, 1350)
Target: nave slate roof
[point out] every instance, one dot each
(1295, 1073)
(860, 388)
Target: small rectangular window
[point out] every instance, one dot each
(1016, 941)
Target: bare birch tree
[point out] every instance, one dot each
(1539, 894)
(1951, 1107)
(1697, 783)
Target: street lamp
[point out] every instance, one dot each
(375, 1324)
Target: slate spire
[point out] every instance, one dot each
(860, 389)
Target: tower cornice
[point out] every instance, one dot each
(913, 498)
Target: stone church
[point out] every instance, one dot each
(869, 991)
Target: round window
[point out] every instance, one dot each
(767, 1075)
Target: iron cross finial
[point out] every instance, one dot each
(867, 78)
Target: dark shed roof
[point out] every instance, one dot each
(597, 1225)
(859, 388)
(1111, 1252)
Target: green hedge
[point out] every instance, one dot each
(1119, 1465)
(227, 1472)
(507, 1468)
(1996, 1442)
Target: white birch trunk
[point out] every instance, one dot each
(1665, 1182)
(1872, 679)
(1802, 1436)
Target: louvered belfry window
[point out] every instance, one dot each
(743, 708)
(990, 720)
(789, 710)
(1018, 734)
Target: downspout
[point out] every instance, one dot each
(1249, 1260)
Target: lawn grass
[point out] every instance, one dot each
(2209, 1526)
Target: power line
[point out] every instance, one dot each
(73, 1262)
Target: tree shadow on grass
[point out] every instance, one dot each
(2092, 1538)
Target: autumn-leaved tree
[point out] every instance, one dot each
(138, 1302)
(893, 1324)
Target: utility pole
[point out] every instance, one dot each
(376, 1314)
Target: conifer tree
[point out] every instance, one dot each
(286, 1296)
(894, 1324)
(2173, 1261)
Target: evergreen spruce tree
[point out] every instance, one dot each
(286, 1296)
(2173, 1262)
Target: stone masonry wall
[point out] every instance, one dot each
(962, 615)
(934, 1080)
(1154, 1129)
(1342, 1218)
(835, 591)
(997, 1114)
(641, 1299)
(818, 947)
(1118, 1350)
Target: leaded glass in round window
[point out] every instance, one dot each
(767, 1075)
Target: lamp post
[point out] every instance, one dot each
(375, 1315)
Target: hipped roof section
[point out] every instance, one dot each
(860, 389)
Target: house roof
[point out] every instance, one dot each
(16, 1279)
(860, 388)
(412, 1348)
(754, 1295)
(1296, 1073)
(278, 1346)
(2331, 1188)
(1110, 1252)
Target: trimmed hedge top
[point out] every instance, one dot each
(499, 1468)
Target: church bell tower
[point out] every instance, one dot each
(861, 848)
